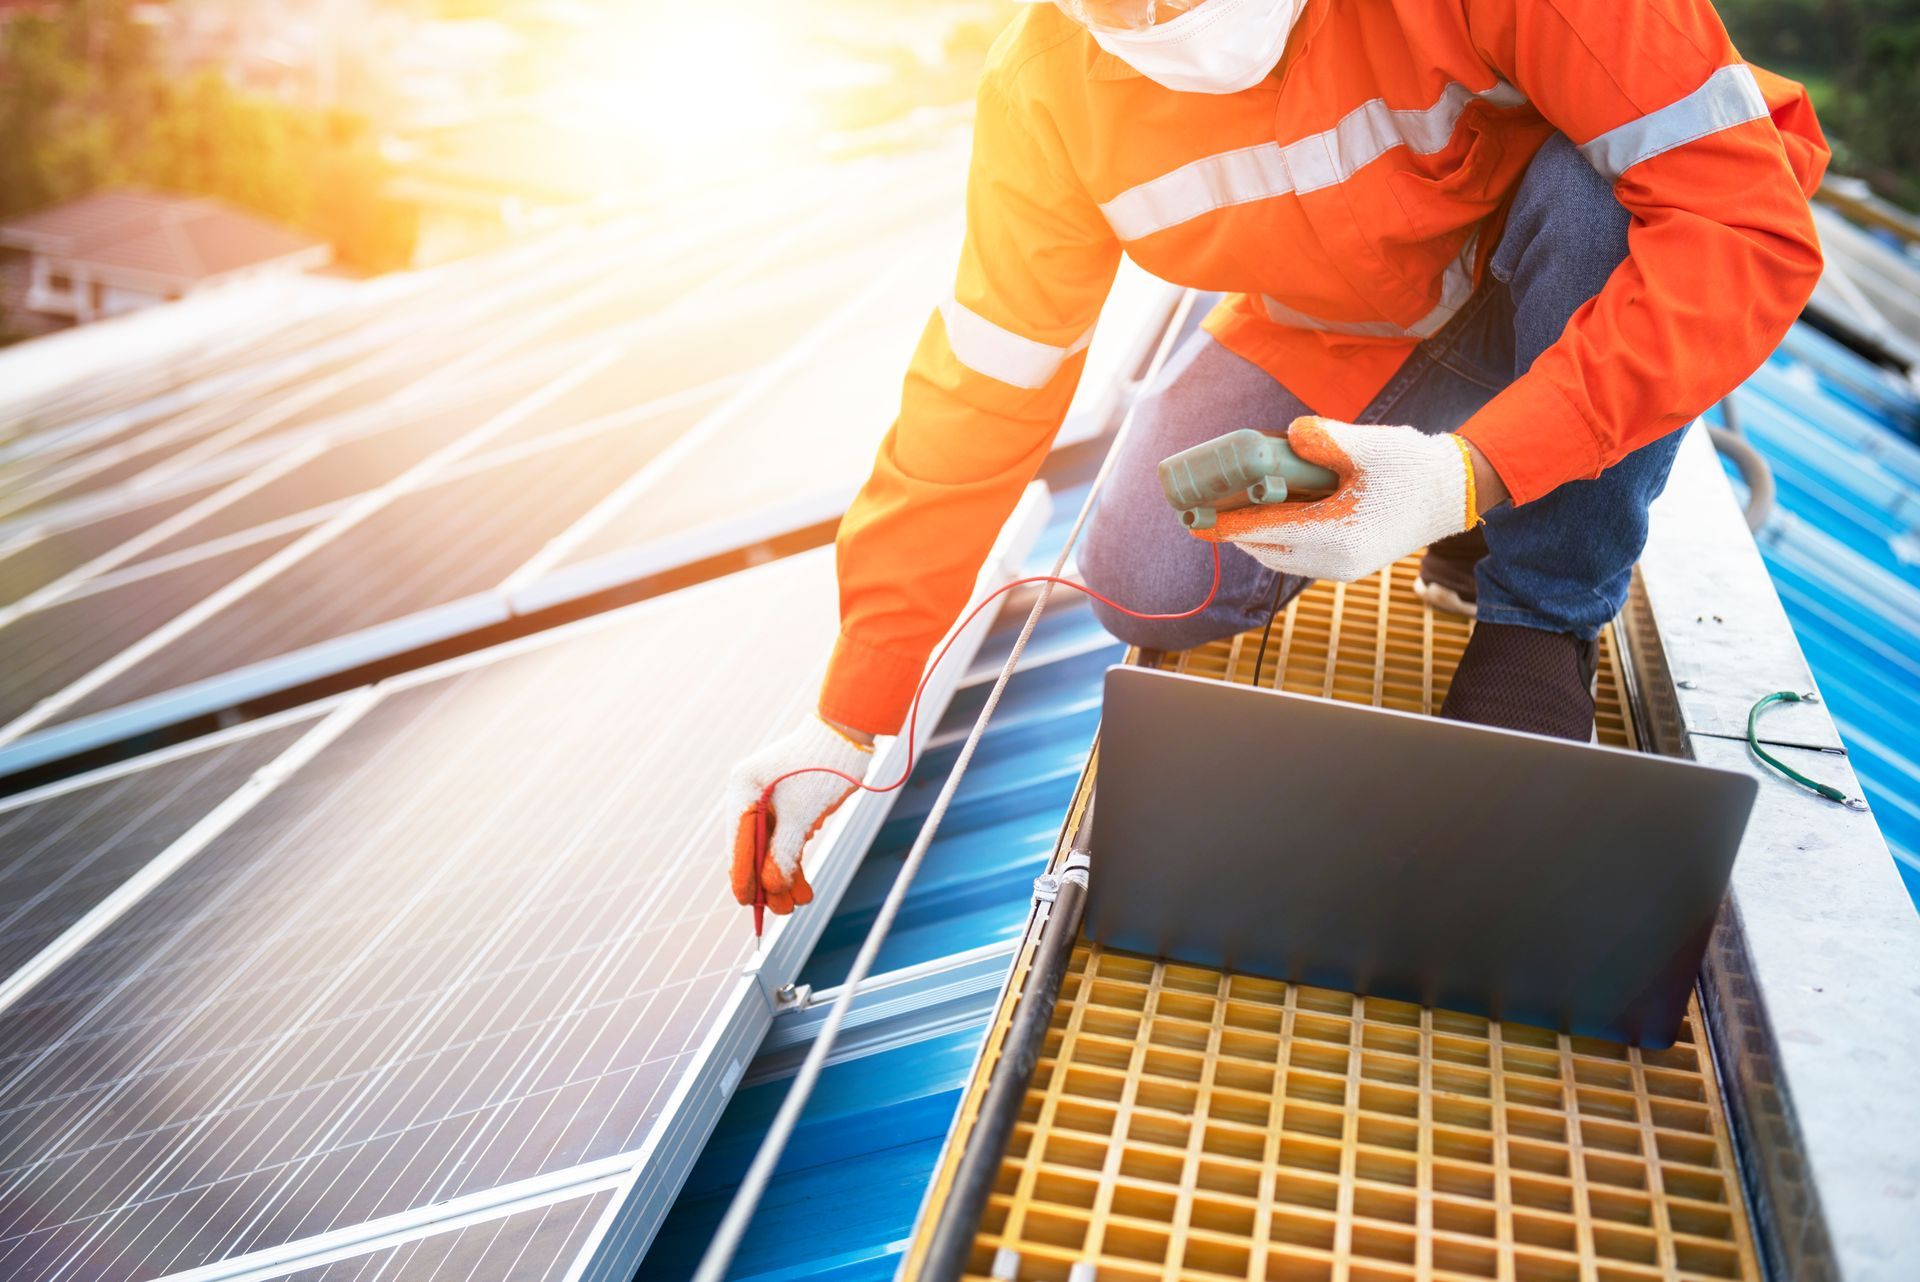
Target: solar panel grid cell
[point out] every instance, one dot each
(365, 578)
(355, 371)
(48, 649)
(157, 444)
(447, 955)
(62, 853)
(39, 563)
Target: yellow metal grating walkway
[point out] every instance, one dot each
(1374, 642)
(1189, 1123)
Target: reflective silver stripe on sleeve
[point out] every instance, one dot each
(1456, 286)
(1000, 354)
(1308, 164)
(1729, 97)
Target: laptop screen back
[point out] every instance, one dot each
(1380, 852)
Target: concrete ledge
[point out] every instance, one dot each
(1812, 985)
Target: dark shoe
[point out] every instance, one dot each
(1446, 580)
(1525, 679)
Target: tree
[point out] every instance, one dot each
(1860, 59)
(1879, 114)
(84, 105)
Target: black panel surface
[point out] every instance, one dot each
(62, 854)
(43, 652)
(344, 470)
(165, 439)
(423, 549)
(39, 563)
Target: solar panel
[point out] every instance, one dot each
(338, 472)
(605, 285)
(395, 579)
(299, 368)
(354, 371)
(33, 561)
(476, 949)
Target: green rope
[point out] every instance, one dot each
(1826, 790)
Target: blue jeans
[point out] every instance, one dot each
(1561, 563)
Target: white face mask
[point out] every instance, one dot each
(1223, 46)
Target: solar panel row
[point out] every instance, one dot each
(525, 298)
(609, 392)
(415, 352)
(635, 477)
(475, 943)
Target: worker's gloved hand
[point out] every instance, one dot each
(1400, 489)
(800, 805)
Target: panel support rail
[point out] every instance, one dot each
(959, 1221)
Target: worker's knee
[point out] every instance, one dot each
(1565, 222)
(1174, 584)
(1163, 634)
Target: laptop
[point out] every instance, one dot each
(1456, 866)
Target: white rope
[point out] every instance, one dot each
(746, 1199)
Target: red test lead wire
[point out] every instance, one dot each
(763, 808)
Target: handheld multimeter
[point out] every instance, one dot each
(1238, 470)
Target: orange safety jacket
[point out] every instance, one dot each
(1347, 205)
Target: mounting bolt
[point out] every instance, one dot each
(792, 997)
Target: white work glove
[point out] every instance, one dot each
(800, 805)
(1400, 490)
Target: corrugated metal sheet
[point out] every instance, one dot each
(1844, 551)
(845, 1197)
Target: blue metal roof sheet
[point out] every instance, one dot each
(844, 1199)
(1843, 547)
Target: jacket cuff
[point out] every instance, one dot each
(869, 688)
(1535, 438)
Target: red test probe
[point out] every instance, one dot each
(763, 808)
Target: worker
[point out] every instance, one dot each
(1486, 257)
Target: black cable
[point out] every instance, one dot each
(1260, 660)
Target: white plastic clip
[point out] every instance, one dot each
(1006, 1264)
(1046, 887)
